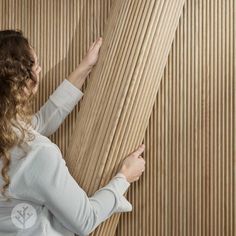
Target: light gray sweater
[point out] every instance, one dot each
(45, 198)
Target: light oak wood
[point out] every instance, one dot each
(188, 187)
(117, 105)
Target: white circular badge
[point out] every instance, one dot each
(23, 215)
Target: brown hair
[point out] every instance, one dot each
(16, 62)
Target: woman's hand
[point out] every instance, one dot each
(79, 75)
(133, 165)
(91, 57)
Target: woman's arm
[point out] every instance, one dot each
(60, 103)
(51, 115)
(50, 183)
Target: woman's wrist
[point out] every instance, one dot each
(78, 78)
(120, 174)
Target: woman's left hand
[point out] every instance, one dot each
(91, 56)
(79, 75)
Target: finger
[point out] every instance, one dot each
(98, 39)
(98, 43)
(143, 163)
(139, 150)
(133, 152)
(92, 45)
(141, 157)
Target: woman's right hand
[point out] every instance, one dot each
(133, 165)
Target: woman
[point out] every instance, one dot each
(39, 196)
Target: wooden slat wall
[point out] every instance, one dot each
(119, 99)
(188, 187)
(61, 32)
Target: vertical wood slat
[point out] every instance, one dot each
(190, 140)
(119, 98)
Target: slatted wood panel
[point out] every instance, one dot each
(188, 187)
(118, 102)
(61, 32)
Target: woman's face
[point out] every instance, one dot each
(37, 69)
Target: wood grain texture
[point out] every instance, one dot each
(188, 188)
(60, 32)
(120, 95)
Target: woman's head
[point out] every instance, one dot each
(19, 61)
(19, 78)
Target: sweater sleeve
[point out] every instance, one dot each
(52, 185)
(60, 103)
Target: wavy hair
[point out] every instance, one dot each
(16, 109)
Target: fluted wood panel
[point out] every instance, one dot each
(60, 32)
(119, 98)
(188, 188)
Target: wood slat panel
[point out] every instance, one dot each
(188, 187)
(61, 32)
(118, 102)
(189, 184)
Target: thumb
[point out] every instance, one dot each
(139, 150)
